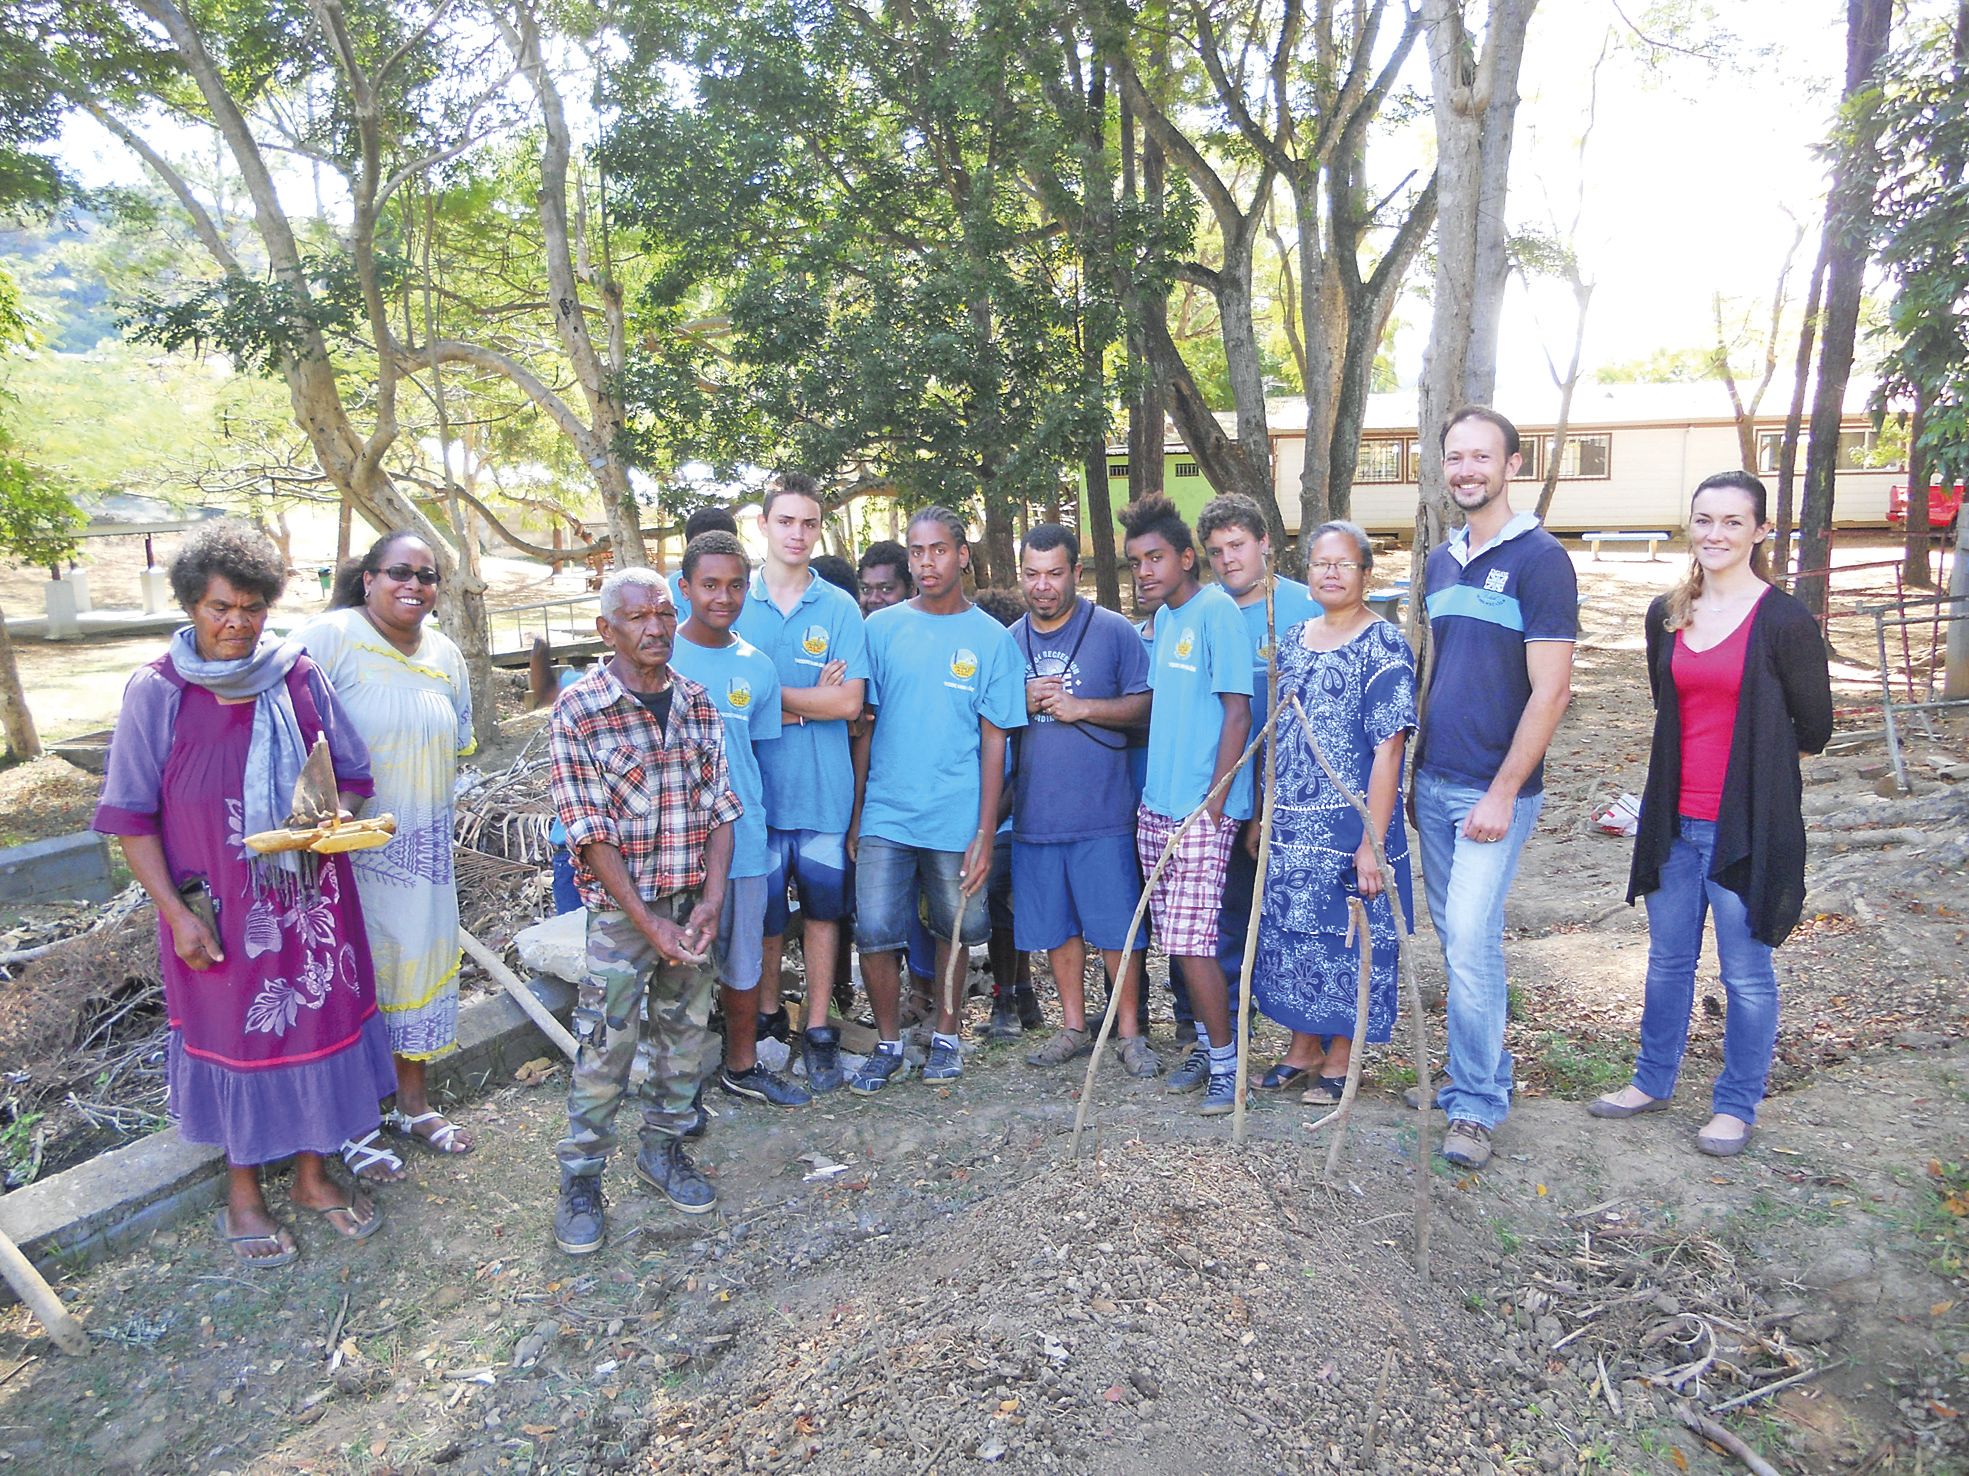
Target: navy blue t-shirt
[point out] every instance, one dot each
(1517, 589)
(1072, 780)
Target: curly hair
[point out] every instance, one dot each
(838, 572)
(715, 541)
(1230, 510)
(1156, 514)
(231, 550)
(1001, 605)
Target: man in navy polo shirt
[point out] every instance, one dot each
(1503, 609)
(813, 632)
(1074, 867)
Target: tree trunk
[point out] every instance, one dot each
(344, 529)
(1146, 409)
(1582, 292)
(1915, 569)
(1099, 323)
(1849, 215)
(23, 742)
(1955, 676)
(1795, 415)
(1475, 105)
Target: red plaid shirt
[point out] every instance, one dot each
(654, 794)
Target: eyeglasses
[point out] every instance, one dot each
(1334, 566)
(403, 572)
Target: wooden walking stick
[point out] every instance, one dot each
(522, 996)
(40, 1299)
(1264, 859)
(1404, 953)
(1135, 927)
(957, 950)
(1356, 927)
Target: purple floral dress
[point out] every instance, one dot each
(279, 1049)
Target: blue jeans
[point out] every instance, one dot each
(1466, 882)
(1750, 1029)
(887, 876)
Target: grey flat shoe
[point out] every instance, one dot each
(1607, 1107)
(1717, 1146)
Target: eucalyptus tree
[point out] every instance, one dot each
(855, 278)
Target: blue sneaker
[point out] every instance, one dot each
(878, 1071)
(1222, 1094)
(946, 1063)
(1193, 1073)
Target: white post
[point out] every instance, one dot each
(58, 595)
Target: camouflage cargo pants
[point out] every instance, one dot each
(622, 967)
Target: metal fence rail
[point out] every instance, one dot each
(1935, 613)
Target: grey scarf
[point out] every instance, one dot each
(277, 751)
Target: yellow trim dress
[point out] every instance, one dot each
(415, 713)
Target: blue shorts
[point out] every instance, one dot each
(1076, 889)
(815, 863)
(740, 954)
(887, 876)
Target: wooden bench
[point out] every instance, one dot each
(1653, 540)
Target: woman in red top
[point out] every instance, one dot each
(1738, 671)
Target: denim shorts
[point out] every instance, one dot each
(742, 933)
(815, 864)
(887, 876)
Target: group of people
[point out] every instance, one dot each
(921, 773)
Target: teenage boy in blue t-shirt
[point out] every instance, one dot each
(1232, 530)
(1074, 869)
(813, 632)
(1200, 673)
(944, 689)
(1503, 607)
(744, 686)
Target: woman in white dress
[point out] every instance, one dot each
(404, 685)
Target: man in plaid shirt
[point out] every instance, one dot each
(640, 782)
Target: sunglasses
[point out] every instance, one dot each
(403, 572)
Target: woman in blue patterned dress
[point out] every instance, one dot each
(1354, 675)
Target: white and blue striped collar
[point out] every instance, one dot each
(1459, 541)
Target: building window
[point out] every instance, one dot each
(1187, 470)
(1855, 450)
(1380, 461)
(1586, 457)
(1117, 471)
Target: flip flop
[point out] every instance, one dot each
(439, 1140)
(360, 1229)
(1325, 1091)
(1281, 1077)
(285, 1256)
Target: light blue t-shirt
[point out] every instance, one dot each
(1201, 650)
(677, 594)
(931, 678)
(745, 689)
(809, 774)
(1292, 603)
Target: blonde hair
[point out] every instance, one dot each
(1682, 599)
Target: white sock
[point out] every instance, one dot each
(888, 1047)
(948, 1042)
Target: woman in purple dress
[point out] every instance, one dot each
(276, 1046)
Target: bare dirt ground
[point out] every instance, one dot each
(927, 1281)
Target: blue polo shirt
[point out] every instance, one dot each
(809, 776)
(1201, 650)
(933, 677)
(744, 686)
(1484, 608)
(1292, 603)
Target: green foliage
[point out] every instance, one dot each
(1921, 236)
(1664, 366)
(38, 519)
(259, 323)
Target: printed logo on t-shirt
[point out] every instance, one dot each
(1495, 581)
(813, 640)
(1054, 664)
(738, 692)
(1180, 653)
(964, 663)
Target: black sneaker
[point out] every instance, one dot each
(820, 1054)
(1004, 1024)
(1193, 1073)
(758, 1083)
(878, 1071)
(581, 1217)
(778, 1025)
(1031, 1016)
(669, 1170)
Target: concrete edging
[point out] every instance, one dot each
(116, 1198)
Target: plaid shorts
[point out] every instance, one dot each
(1186, 898)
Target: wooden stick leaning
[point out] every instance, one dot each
(522, 996)
(40, 1299)
(956, 950)
(1135, 926)
(1243, 1024)
(1344, 1108)
(1419, 1037)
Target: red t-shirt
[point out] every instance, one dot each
(1706, 685)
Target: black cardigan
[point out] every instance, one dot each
(1785, 708)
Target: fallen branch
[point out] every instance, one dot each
(40, 1299)
(1716, 1435)
(1771, 1388)
(522, 996)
